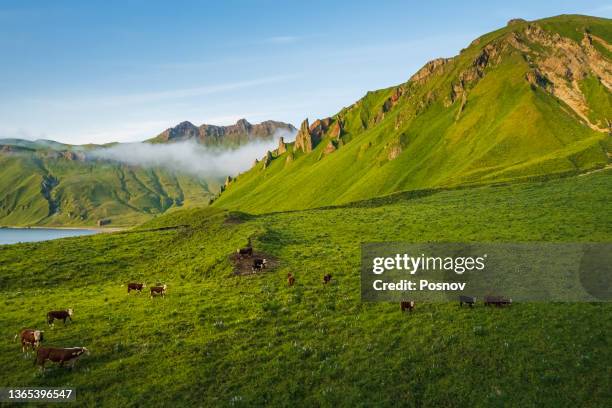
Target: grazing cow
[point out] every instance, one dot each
(59, 315)
(158, 290)
(59, 355)
(136, 286)
(259, 264)
(468, 300)
(327, 278)
(245, 252)
(498, 301)
(407, 305)
(30, 338)
(290, 279)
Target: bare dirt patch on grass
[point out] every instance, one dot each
(243, 265)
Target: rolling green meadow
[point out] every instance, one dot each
(228, 340)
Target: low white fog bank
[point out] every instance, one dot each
(191, 157)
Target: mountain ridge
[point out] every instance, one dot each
(528, 100)
(233, 135)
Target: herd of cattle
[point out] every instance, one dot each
(32, 339)
(154, 291)
(498, 301)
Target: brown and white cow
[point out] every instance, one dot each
(290, 279)
(135, 286)
(30, 338)
(259, 264)
(59, 315)
(158, 290)
(407, 305)
(59, 355)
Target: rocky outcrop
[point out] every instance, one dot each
(267, 159)
(336, 131)
(431, 67)
(228, 180)
(563, 63)
(234, 135)
(305, 140)
(330, 148)
(516, 21)
(489, 55)
(537, 79)
(282, 146)
(290, 158)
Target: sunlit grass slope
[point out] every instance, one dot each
(39, 190)
(478, 118)
(218, 339)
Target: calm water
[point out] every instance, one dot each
(14, 235)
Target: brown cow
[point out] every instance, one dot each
(59, 315)
(59, 355)
(136, 286)
(158, 290)
(30, 338)
(498, 301)
(407, 305)
(245, 252)
(327, 278)
(290, 279)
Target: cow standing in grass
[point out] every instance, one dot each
(245, 252)
(468, 300)
(290, 279)
(30, 338)
(59, 315)
(259, 264)
(327, 279)
(135, 286)
(498, 301)
(407, 305)
(158, 291)
(59, 355)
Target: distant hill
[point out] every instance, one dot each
(49, 183)
(530, 100)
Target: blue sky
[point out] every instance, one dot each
(82, 72)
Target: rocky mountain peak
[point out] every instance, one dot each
(233, 135)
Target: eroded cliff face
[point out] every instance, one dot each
(557, 66)
(563, 63)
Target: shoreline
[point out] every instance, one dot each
(85, 228)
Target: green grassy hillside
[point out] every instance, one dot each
(46, 183)
(37, 188)
(220, 339)
(514, 105)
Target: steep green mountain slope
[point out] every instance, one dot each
(530, 100)
(54, 184)
(223, 340)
